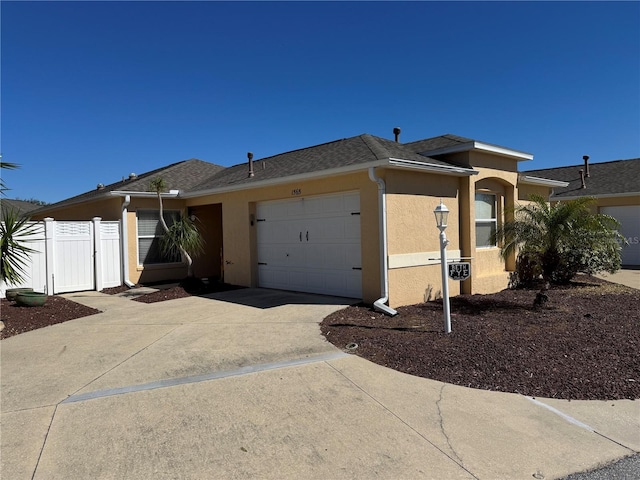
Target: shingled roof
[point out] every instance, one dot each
(347, 152)
(618, 177)
(178, 176)
(195, 177)
(23, 207)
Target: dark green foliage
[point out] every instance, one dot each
(14, 230)
(555, 242)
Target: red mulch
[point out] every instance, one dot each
(583, 344)
(18, 319)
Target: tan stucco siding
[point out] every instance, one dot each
(491, 162)
(109, 209)
(239, 235)
(525, 192)
(617, 201)
(489, 272)
(412, 236)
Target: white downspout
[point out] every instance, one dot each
(124, 238)
(382, 227)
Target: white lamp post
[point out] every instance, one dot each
(442, 214)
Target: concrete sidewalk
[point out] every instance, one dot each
(243, 385)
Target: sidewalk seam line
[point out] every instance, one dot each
(172, 382)
(123, 361)
(403, 421)
(44, 442)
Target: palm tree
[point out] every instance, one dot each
(182, 236)
(558, 241)
(14, 254)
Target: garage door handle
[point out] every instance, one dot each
(307, 235)
(300, 236)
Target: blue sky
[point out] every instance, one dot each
(92, 91)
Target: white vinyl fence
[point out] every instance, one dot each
(73, 256)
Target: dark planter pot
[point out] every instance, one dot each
(12, 292)
(31, 299)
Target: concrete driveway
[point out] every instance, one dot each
(243, 385)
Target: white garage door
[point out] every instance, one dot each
(629, 218)
(311, 244)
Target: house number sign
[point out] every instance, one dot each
(296, 191)
(459, 270)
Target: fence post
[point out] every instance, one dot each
(49, 239)
(97, 253)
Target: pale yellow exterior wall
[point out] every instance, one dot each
(109, 209)
(499, 175)
(239, 249)
(617, 201)
(525, 192)
(413, 237)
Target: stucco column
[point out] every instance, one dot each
(467, 227)
(509, 204)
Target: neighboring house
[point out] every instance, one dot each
(616, 188)
(23, 207)
(353, 217)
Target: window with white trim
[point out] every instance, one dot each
(149, 233)
(486, 219)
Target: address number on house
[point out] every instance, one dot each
(459, 270)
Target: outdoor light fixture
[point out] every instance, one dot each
(442, 214)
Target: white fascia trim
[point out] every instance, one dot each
(123, 193)
(547, 182)
(485, 147)
(605, 195)
(431, 167)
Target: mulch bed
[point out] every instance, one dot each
(583, 344)
(18, 319)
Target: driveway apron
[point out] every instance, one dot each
(242, 384)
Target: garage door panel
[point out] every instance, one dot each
(629, 218)
(323, 262)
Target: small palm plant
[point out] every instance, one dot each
(182, 236)
(557, 241)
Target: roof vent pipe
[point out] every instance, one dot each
(586, 164)
(396, 132)
(584, 185)
(250, 157)
(132, 176)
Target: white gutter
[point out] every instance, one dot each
(124, 193)
(125, 243)
(382, 227)
(432, 167)
(545, 182)
(483, 147)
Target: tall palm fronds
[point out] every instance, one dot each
(14, 230)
